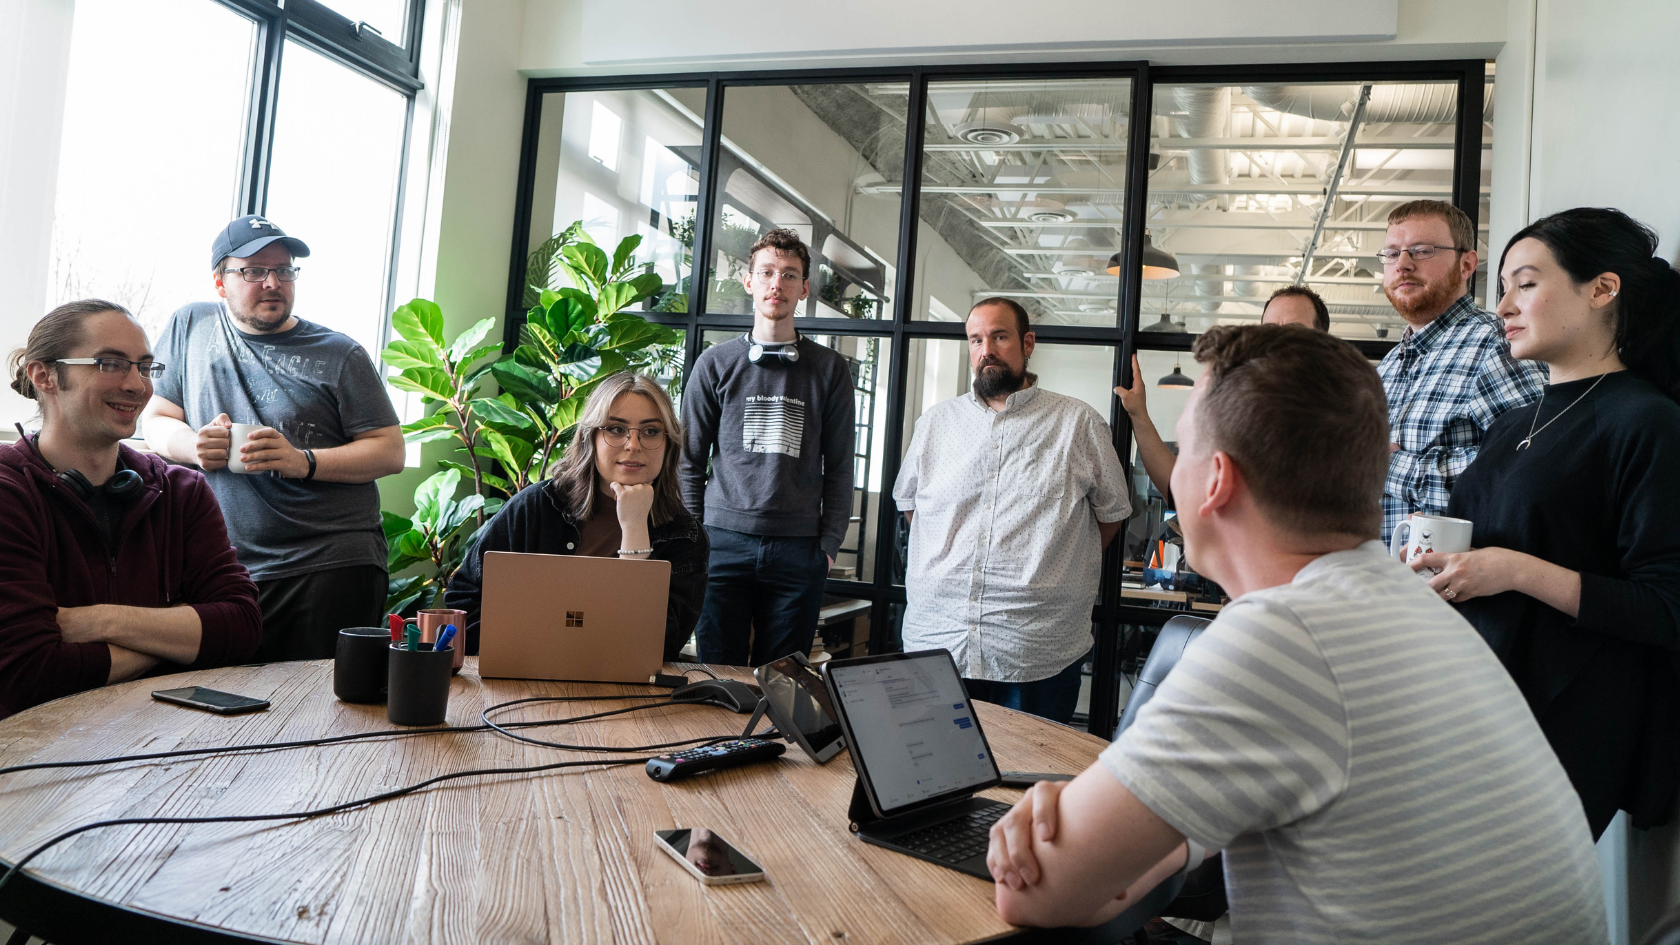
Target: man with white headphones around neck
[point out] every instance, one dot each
(772, 412)
(112, 563)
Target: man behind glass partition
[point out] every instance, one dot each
(112, 563)
(304, 511)
(1012, 492)
(1342, 734)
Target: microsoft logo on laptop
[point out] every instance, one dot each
(574, 618)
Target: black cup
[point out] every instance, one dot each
(359, 673)
(419, 685)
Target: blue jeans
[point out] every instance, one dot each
(1054, 698)
(764, 588)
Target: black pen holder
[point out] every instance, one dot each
(359, 664)
(418, 685)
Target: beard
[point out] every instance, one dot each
(1432, 301)
(995, 379)
(259, 323)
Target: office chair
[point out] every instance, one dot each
(1169, 647)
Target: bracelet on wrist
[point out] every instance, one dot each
(635, 551)
(310, 455)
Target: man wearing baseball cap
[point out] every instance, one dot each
(304, 513)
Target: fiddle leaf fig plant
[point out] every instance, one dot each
(575, 335)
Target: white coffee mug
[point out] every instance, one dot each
(237, 437)
(1421, 533)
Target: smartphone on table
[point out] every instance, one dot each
(708, 856)
(210, 700)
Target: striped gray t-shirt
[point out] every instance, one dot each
(1369, 769)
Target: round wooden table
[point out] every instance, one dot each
(561, 856)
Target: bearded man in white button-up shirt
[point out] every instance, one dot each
(1013, 491)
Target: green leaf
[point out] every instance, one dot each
(490, 479)
(402, 592)
(455, 513)
(588, 260)
(631, 332)
(501, 417)
(546, 298)
(525, 383)
(533, 335)
(432, 382)
(614, 297)
(580, 361)
(407, 354)
(647, 285)
(565, 413)
(469, 339)
(394, 524)
(407, 549)
(432, 495)
(471, 357)
(611, 363)
(419, 321)
(505, 450)
(622, 256)
(572, 310)
(426, 429)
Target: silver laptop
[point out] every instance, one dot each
(572, 617)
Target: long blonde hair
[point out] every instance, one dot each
(575, 479)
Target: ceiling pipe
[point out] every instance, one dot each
(1412, 103)
(1207, 109)
(1335, 182)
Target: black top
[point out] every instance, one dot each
(535, 522)
(1597, 492)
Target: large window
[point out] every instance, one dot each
(181, 116)
(921, 192)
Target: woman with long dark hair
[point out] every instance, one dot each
(614, 494)
(1574, 579)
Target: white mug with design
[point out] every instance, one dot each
(1424, 533)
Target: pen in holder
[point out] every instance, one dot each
(418, 690)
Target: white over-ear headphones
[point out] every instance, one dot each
(788, 353)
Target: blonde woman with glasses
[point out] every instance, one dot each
(614, 494)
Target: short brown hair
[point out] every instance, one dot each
(1321, 314)
(1022, 324)
(1302, 414)
(1458, 222)
(783, 240)
(54, 337)
(576, 482)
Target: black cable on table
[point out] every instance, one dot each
(309, 814)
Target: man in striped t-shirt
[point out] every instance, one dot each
(1362, 758)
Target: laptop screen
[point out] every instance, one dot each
(912, 727)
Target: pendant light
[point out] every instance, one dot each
(1157, 263)
(1177, 378)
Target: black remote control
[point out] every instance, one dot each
(741, 751)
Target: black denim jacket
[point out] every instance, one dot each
(534, 521)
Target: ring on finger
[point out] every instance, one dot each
(1449, 593)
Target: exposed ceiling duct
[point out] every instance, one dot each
(1206, 111)
(1410, 103)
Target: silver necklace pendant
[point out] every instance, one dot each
(1524, 444)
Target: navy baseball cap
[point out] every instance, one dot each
(247, 236)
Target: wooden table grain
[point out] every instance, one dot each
(561, 856)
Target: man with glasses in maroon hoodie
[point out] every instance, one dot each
(113, 564)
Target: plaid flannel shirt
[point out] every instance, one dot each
(1445, 384)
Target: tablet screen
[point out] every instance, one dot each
(799, 699)
(912, 727)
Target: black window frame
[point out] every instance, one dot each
(345, 41)
(1109, 615)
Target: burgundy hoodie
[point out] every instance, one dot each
(173, 549)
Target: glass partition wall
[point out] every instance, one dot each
(922, 191)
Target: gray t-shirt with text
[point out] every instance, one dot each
(318, 388)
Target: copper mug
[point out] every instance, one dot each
(432, 622)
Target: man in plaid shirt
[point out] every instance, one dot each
(1452, 372)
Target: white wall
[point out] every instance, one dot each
(34, 63)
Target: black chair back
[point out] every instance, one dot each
(1169, 646)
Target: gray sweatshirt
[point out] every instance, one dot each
(784, 438)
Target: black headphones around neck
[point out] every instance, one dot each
(123, 486)
(787, 353)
